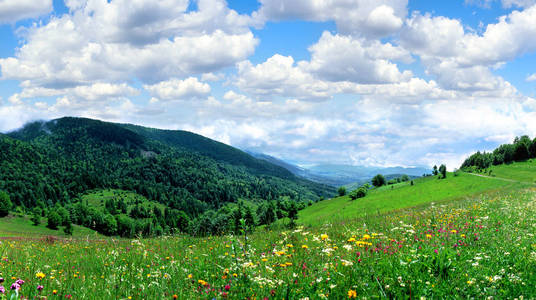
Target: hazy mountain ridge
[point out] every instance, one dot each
(339, 175)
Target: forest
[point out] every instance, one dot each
(521, 149)
(46, 167)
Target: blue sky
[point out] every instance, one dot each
(383, 83)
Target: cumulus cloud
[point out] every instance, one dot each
(343, 58)
(531, 77)
(357, 17)
(176, 89)
(119, 40)
(463, 60)
(280, 75)
(13, 11)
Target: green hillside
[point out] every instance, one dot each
(403, 195)
(54, 163)
(21, 226)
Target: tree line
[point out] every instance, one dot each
(521, 149)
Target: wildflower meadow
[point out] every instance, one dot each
(479, 247)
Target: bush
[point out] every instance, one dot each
(358, 193)
(342, 191)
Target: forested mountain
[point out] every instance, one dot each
(54, 162)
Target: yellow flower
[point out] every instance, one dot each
(350, 240)
(202, 282)
(366, 237)
(190, 276)
(453, 231)
(428, 236)
(40, 275)
(305, 247)
(352, 294)
(463, 235)
(324, 236)
(290, 245)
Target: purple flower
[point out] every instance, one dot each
(1, 279)
(15, 286)
(2, 289)
(40, 287)
(19, 281)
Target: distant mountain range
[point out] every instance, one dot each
(339, 175)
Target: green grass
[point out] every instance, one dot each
(398, 196)
(97, 198)
(22, 226)
(476, 248)
(521, 171)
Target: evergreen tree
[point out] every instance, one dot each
(443, 171)
(342, 191)
(54, 220)
(5, 204)
(293, 214)
(36, 216)
(68, 229)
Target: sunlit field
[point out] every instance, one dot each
(478, 247)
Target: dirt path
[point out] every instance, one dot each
(499, 178)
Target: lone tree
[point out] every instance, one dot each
(36, 216)
(378, 180)
(293, 214)
(54, 220)
(5, 204)
(342, 191)
(435, 170)
(443, 171)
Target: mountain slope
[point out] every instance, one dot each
(54, 162)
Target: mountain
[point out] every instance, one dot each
(339, 175)
(46, 163)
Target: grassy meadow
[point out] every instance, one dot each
(468, 236)
(402, 195)
(478, 247)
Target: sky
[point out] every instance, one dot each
(360, 82)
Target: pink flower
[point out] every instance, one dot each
(20, 281)
(1, 279)
(2, 289)
(15, 286)
(435, 251)
(227, 287)
(40, 287)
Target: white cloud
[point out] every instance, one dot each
(356, 17)
(342, 58)
(463, 60)
(518, 3)
(279, 75)
(531, 77)
(176, 89)
(12, 11)
(119, 40)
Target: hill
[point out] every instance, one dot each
(403, 195)
(46, 164)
